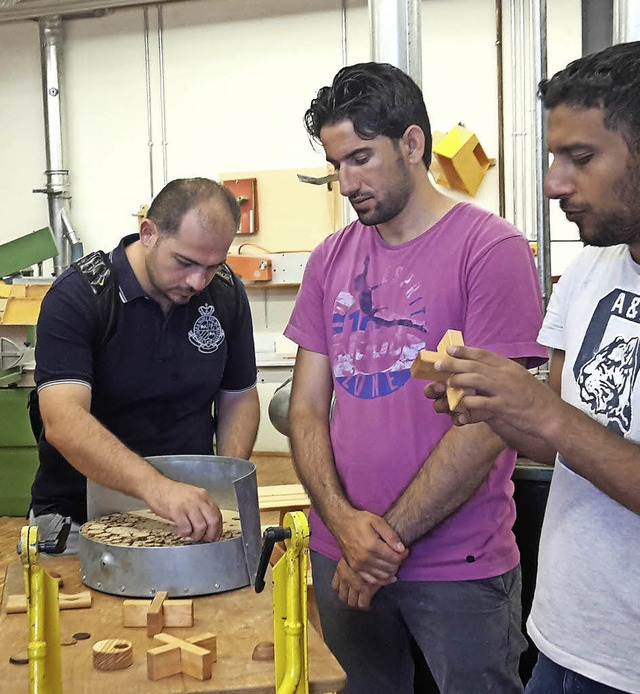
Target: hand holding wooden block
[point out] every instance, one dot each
(422, 366)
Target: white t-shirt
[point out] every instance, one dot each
(586, 610)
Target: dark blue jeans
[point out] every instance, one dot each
(469, 632)
(550, 678)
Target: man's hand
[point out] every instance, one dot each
(503, 391)
(352, 588)
(371, 547)
(194, 512)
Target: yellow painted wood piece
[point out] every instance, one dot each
(423, 366)
(21, 311)
(462, 162)
(175, 613)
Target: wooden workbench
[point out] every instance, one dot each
(240, 619)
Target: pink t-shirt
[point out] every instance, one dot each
(371, 307)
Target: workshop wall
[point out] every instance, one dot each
(238, 76)
(235, 88)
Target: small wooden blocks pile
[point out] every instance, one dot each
(144, 528)
(422, 367)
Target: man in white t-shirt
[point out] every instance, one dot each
(586, 611)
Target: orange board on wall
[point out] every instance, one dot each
(246, 192)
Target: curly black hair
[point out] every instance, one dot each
(378, 98)
(608, 79)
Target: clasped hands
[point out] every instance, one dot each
(372, 553)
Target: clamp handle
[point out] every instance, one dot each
(270, 536)
(56, 545)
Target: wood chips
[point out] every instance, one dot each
(146, 529)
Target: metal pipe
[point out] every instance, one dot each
(500, 80)
(346, 207)
(343, 30)
(515, 147)
(626, 20)
(163, 110)
(147, 75)
(396, 35)
(57, 186)
(539, 42)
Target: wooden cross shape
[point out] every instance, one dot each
(193, 656)
(157, 614)
(422, 366)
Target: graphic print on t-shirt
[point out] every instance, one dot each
(606, 367)
(378, 329)
(207, 334)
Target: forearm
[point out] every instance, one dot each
(97, 453)
(532, 447)
(607, 460)
(315, 466)
(237, 426)
(449, 477)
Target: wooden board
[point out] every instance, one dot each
(240, 619)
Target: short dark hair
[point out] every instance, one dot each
(378, 98)
(183, 194)
(608, 79)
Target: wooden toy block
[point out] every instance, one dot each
(163, 661)
(193, 656)
(423, 366)
(175, 613)
(154, 615)
(112, 654)
(461, 160)
(71, 601)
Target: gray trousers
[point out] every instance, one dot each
(468, 631)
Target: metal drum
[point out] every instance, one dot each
(189, 570)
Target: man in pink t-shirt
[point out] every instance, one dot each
(411, 519)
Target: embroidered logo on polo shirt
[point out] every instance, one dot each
(207, 334)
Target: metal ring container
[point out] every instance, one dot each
(188, 570)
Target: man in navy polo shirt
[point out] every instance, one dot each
(149, 390)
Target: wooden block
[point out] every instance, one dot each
(208, 641)
(263, 651)
(67, 601)
(112, 654)
(175, 613)
(196, 661)
(134, 613)
(280, 496)
(422, 366)
(163, 661)
(155, 621)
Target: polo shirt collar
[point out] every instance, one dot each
(130, 288)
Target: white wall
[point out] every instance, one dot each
(238, 76)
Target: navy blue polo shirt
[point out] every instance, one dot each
(152, 384)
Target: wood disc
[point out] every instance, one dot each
(146, 529)
(112, 654)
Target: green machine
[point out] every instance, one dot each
(20, 298)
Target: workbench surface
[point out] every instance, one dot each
(240, 619)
